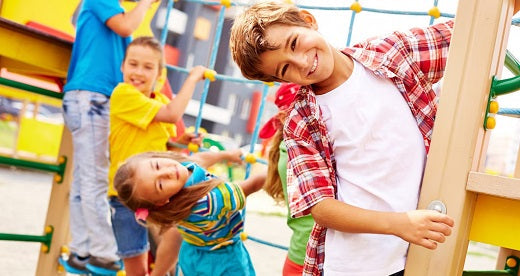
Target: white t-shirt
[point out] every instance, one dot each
(380, 158)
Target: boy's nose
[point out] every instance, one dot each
(300, 61)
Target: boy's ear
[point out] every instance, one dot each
(309, 19)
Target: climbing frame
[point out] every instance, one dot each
(459, 141)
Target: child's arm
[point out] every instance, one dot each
(124, 24)
(189, 137)
(207, 158)
(421, 227)
(173, 111)
(167, 252)
(253, 183)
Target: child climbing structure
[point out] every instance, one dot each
(456, 157)
(485, 208)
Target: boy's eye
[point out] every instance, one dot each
(160, 185)
(157, 165)
(284, 69)
(293, 44)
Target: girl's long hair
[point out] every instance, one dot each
(180, 205)
(273, 183)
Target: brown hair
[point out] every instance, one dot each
(273, 183)
(247, 41)
(150, 42)
(179, 206)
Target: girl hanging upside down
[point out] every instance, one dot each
(170, 189)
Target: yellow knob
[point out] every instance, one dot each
(250, 158)
(243, 236)
(356, 7)
(511, 262)
(434, 12)
(57, 178)
(193, 147)
(210, 74)
(64, 249)
(44, 248)
(61, 268)
(61, 160)
(493, 107)
(48, 229)
(490, 123)
(121, 273)
(225, 3)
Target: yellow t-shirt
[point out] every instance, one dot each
(132, 129)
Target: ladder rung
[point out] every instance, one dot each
(495, 185)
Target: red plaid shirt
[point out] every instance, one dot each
(413, 61)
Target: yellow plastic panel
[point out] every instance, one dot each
(52, 13)
(40, 138)
(496, 221)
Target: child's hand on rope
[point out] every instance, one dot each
(190, 137)
(233, 156)
(197, 73)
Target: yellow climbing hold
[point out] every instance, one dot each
(356, 7)
(243, 236)
(493, 107)
(225, 3)
(210, 74)
(193, 147)
(434, 12)
(44, 248)
(250, 158)
(57, 178)
(61, 160)
(121, 273)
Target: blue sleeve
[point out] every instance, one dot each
(104, 9)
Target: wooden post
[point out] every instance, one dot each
(58, 212)
(477, 53)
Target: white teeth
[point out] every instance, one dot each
(314, 65)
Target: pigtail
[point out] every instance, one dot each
(273, 183)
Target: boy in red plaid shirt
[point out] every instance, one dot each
(357, 136)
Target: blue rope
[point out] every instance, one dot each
(512, 112)
(267, 243)
(164, 31)
(211, 65)
(257, 126)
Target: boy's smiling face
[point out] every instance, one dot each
(303, 56)
(141, 68)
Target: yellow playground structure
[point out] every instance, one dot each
(486, 208)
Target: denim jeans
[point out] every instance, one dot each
(131, 237)
(86, 115)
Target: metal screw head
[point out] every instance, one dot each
(438, 206)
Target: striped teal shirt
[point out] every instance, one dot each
(215, 219)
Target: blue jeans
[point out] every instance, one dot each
(86, 115)
(131, 237)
